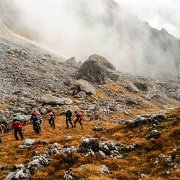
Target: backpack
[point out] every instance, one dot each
(17, 125)
(34, 118)
(69, 114)
(52, 115)
(38, 116)
(81, 115)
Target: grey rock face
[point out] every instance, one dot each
(89, 143)
(92, 146)
(141, 120)
(97, 69)
(98, 128)
(153, 134)
(104, 169)
(68, 176)
(131, 87)
(85, 86)
(71, 62)
(171, 160)
(52, 100)
(81, 94)
(30, 142)
(102, 154)
(37, 162)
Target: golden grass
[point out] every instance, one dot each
(5, 106)
(128, 167)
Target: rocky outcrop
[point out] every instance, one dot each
(131, 87)
(85, 86)
(71, 62)
(153, 134)
(53, 100)
(92, 146)
(142, 120)
(25, 171)
(39, 161)
(97, 69)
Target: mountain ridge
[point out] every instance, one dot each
(130, 44)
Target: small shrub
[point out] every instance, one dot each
(141, 86)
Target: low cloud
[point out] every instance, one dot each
(159, 14)
(83, 27)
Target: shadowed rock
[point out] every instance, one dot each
(97, 69)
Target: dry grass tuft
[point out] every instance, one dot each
(5, 107)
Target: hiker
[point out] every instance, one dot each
(36, 120)
(4, 125)
(17, 126)
(79, 118)
(68, 115)
(1, 132)
(52, 117)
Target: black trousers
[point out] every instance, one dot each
(20, 131)
(34, 125)
(78, 120)
(51, 122)
(70, 121)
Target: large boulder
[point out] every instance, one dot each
(81, 86)
(53, 100)
(97, 69)
(85, 86)
(131, 87)
(71, 62)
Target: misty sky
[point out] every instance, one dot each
(81, 28)
(158, 13)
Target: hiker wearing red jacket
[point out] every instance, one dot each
(79, 118)
(1, 132)
(52, 117)
(17, 126)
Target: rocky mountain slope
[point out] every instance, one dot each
(123, 136)
(28, 72)
(133, 46)
(132, 123)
